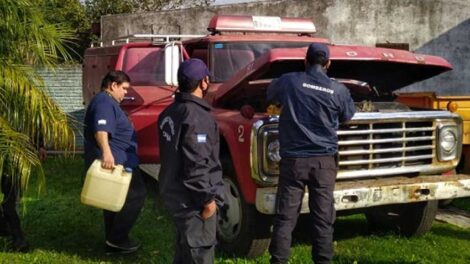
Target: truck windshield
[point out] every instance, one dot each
(230, 57)
(145, 65)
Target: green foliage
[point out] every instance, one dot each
(81, 15)
(27, 114)
(72, 14)
(69, 12)
(97, 8)
(154, 5)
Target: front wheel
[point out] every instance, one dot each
(413, 219)
(241, 229)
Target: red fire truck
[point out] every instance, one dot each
(395, 163)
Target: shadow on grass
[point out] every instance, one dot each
(462, 203)
(58, 223)
(451, 232)
(356, 225)
(345, 228)
(79, 232)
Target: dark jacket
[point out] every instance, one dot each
(313, 106)
(190, 173)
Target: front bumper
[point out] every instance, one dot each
(373, 192)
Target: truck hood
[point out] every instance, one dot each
(385, 70)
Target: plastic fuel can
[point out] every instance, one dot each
(106, 189)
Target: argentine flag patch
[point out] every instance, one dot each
(201, 138)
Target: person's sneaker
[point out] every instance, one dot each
(20, 245)
(125, 247)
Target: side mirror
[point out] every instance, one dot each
(172, 63)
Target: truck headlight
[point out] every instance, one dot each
(449, 137)
(273, 151)
(264, 155)
(270, 153)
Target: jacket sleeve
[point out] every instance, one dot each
(202, 170)
(348, 109)
(103, 118)
(273, 93)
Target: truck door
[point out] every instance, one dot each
(148, 95)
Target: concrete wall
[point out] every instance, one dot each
(64, 85)
(439, 27)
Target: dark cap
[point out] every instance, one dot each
(193, 69)
(316, 50)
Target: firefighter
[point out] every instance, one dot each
(191, 175)
(10, 224)
(110, 136)
(312, 107)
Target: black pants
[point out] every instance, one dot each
(195, 240)
(9, 218)
(118, 224)
(319, 175)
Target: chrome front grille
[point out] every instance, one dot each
(371, 145)
(379, 147)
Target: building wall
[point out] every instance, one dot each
(438, 27)
(64, 85)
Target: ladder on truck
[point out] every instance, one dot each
(154, 38)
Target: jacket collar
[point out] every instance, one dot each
(316, 69)
(187, 97)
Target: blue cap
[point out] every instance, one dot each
(316, 50)
(193, 69)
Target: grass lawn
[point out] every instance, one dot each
(61, 230)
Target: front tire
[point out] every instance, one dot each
(413, 219)
(241, 229)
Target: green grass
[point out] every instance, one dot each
(61, 230)
(462, 203)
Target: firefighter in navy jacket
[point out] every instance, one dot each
(313, 107)
(191, 175)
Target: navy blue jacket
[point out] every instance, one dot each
(190, 173)
(313, 106)
(105, 114)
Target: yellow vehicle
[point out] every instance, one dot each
(457, 104)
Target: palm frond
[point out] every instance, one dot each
(28, 38)
(30, 110)
(27, 114)
(18, 156)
